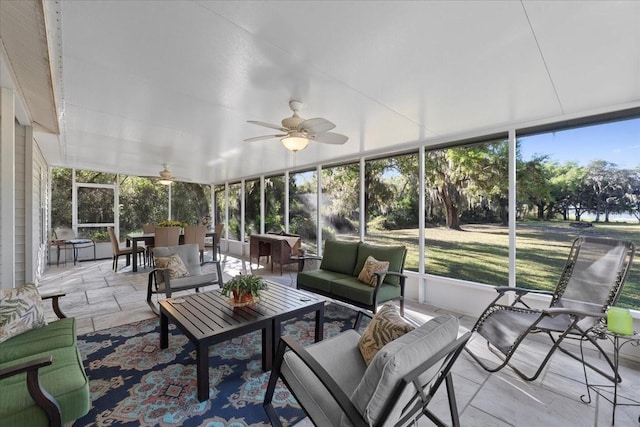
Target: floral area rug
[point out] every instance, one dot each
(134, 382)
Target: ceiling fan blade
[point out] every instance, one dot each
(329, 138)
(259, 138)
(315, 125)
(268, 125)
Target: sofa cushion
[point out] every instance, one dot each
(65, 379)
(338, 355)
(397, 359)
(394, 254)
(386, 326)
(340, 257)
(352, 289)
(57, 334)
(319, 280)
(371, 266)
(20, 311)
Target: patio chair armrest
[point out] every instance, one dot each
(39, 395)
(349, 409)
(521, 291)
(556, 311)
(393, 273)
(380, 277)
(55, 302)
(356, 324)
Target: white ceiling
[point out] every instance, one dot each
(144, 83)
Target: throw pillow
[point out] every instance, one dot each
(174, 264)
(372, 266)
(386, 326)
(20, 311)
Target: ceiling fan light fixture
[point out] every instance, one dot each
(165, 181)
(296, 141)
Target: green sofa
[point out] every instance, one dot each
(43, 365)
(337, 276)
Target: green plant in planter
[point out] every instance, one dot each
(171, 223)
(244, 287)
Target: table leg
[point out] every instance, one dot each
(164, 330)
(128, 245)
(134, 254)
(202, 362)
(268, 338)
(320, 323)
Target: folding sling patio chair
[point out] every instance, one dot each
(591, 282)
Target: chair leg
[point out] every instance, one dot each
(115, 262)
(154, 308)
(273, 379)
(453, 406)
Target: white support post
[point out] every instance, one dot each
(29, 223)
(363, 214)
(422, 288)
(226, 211)
(7, 189)
(262, 204)
(242, 211)
(319, 220)
(212, 204)
(74, 203)
(512, 209)
(169, 201)
(286, 201)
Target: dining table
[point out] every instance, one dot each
(149, 239)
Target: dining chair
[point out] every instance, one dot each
(196, 234)
(147, 229)
(117, 250)
(166, 236)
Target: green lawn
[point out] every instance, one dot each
(479, 253)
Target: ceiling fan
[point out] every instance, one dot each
(297, 132)
(165, 177)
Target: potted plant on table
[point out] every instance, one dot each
(245, 288)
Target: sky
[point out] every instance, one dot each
(617, 142)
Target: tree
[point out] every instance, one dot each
(602, 177)
(533, 184)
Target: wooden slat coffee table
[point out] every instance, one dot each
(206, 318)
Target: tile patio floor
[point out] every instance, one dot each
(100, 298)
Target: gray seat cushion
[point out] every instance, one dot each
(341, 357)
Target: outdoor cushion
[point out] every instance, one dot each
(59, 333)
(341, 358)
(394, 254)
(371, 266)
(320, 279)
(354, 290)
(397, 359)
(340, 257)
(62, 379)
(20, 311)
(385, 326)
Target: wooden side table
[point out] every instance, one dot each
(604, 390)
